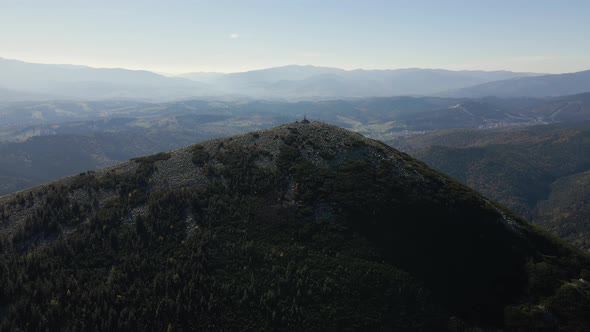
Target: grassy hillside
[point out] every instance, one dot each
(305, 226)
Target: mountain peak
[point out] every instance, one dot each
(277, 223)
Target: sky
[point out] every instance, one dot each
(169, 36)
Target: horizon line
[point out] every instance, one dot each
(176, 74)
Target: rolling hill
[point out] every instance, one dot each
(304, 226)
(536, 86)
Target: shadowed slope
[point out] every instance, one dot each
(303, 226)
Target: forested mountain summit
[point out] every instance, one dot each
(303, 226)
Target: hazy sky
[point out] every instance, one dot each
(184, 36)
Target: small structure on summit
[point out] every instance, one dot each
(305, 120)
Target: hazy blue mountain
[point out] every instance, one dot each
(310, 82)
(202, 76)
(8, 95)
(284, 73)
(537, 86)
(294, 82)
(80, 82)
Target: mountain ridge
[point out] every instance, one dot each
(551, 85)
(291, 82)
(83, 82)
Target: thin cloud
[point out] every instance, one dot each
(233, 36)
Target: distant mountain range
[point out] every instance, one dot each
(309, 82)
(31, 81)
(20, 81)
(536, 86)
